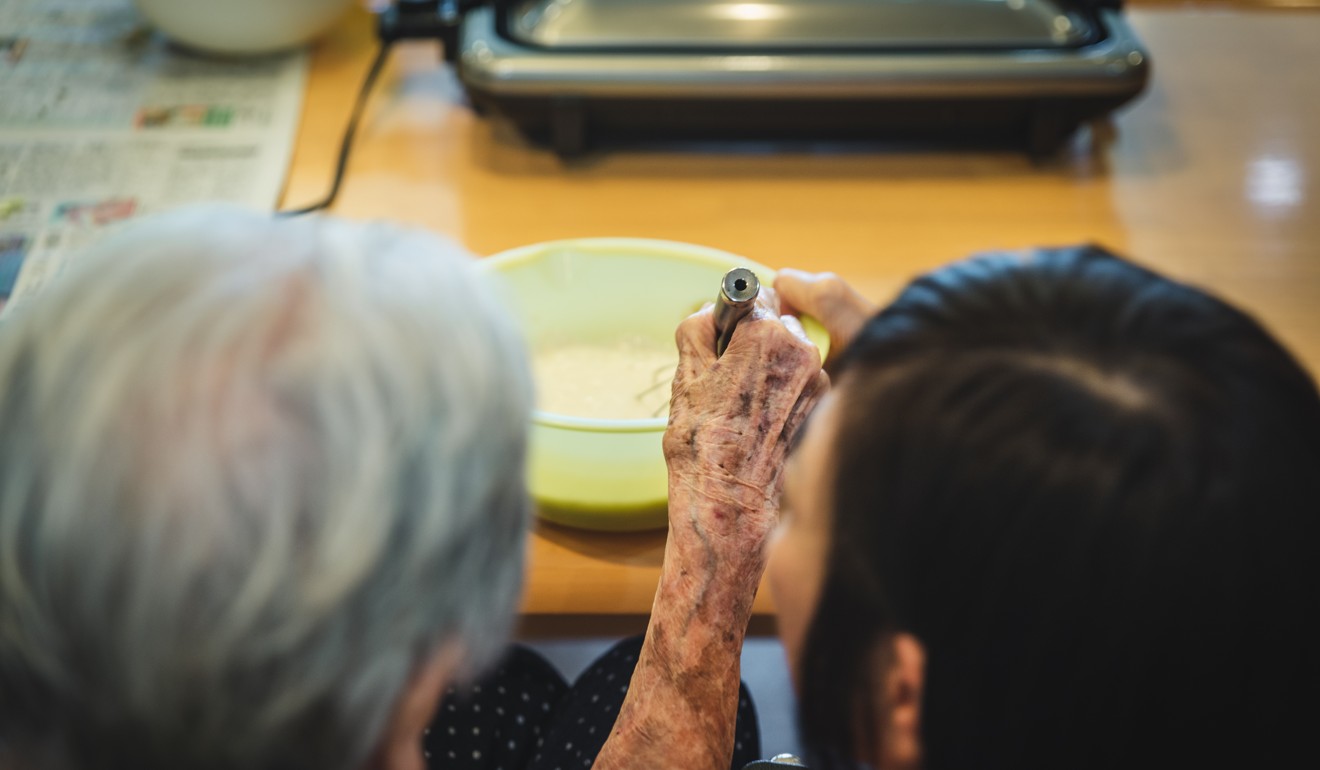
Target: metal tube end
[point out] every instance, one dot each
(735, 301)
(740, 285)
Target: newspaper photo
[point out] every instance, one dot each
(103, 120)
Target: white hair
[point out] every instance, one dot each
(253, 473)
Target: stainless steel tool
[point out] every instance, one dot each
(737, 297)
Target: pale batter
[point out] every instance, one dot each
(628, 380)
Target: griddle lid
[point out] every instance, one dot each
(798, 25)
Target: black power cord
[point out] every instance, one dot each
(403, 20)
(346, 144)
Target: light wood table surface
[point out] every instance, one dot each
(1213, 176)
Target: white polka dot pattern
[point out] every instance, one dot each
(524, 716)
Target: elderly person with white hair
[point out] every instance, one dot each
(262, 504)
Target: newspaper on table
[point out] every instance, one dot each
(102, 120)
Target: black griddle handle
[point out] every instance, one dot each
(425, 20)
(1095, 6)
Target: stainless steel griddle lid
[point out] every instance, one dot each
(673, 26)
(490, 62)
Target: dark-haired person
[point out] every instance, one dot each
(1058, 512)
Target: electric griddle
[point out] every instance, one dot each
(575, 74)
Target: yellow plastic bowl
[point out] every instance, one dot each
(594, 473)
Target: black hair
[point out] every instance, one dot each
(1091, 493)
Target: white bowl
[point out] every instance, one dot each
(243, 26)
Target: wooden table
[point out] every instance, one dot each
(1213, 177)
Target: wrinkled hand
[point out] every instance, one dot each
(830, 300)
(731, 422)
